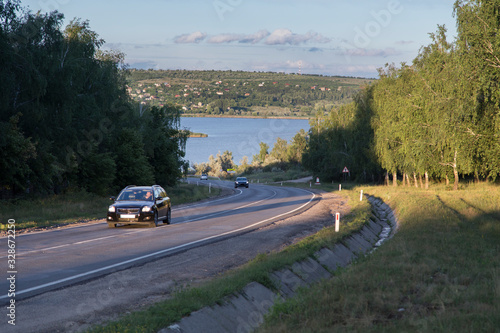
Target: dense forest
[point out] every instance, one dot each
(66, 120)
(437, 118)
(238, 93)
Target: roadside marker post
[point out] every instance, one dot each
(361, 196)
(337, 222)
(340, 187)
(210, 188)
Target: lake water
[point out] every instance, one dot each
(241, 136)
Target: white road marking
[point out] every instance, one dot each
(112, 236)
(74, 277)
(230, 210)
(99, 221)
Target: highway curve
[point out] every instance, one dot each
(52, 259)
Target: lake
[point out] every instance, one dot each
(241, 136)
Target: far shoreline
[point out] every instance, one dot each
(201, 115)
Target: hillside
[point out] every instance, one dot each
(237, 93)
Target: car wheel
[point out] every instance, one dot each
(169, 216)
(155, 223)
(112, 225)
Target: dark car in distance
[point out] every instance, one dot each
(241, 181)
(146, 205)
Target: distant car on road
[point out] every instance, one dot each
(204, 177)
(241, 181)
(146, 205)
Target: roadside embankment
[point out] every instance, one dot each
(245, 311)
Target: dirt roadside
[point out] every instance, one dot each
(77, 308)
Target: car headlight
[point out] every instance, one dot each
(111, 209)
(146, 209)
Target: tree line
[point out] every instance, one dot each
(66, 120)
(438, 117)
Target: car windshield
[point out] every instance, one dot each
(136, 194)
(241, 179)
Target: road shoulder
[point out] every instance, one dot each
(108, 298)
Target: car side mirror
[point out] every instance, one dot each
(112, 198)
(159, 198)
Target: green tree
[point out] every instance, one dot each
(97, 173)
(297, 147)
(280, 150)
(164, 143)
(221, 163)
(263, 152)
(15, 151)
(478, 48)
(132, 166)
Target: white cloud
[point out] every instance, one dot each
(224, 38)
(286, 36)
(255, 38)
(277, 37)
(240, 38)
(195, 37)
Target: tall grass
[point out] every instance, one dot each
(57, 209)
(440, 273)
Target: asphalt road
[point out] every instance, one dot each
(52, 259)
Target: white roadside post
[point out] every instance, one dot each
(340, 187)
(361, 196)
(337, 222)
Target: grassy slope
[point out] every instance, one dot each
(233, 80)
(440, 273)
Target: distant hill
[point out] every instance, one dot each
(238, 93)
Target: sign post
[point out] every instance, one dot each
(337, 222)
(345, 172)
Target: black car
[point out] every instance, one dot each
(146, 205)
(241, 181)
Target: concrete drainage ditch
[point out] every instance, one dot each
(245, 311)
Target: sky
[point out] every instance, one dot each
(336, 37)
